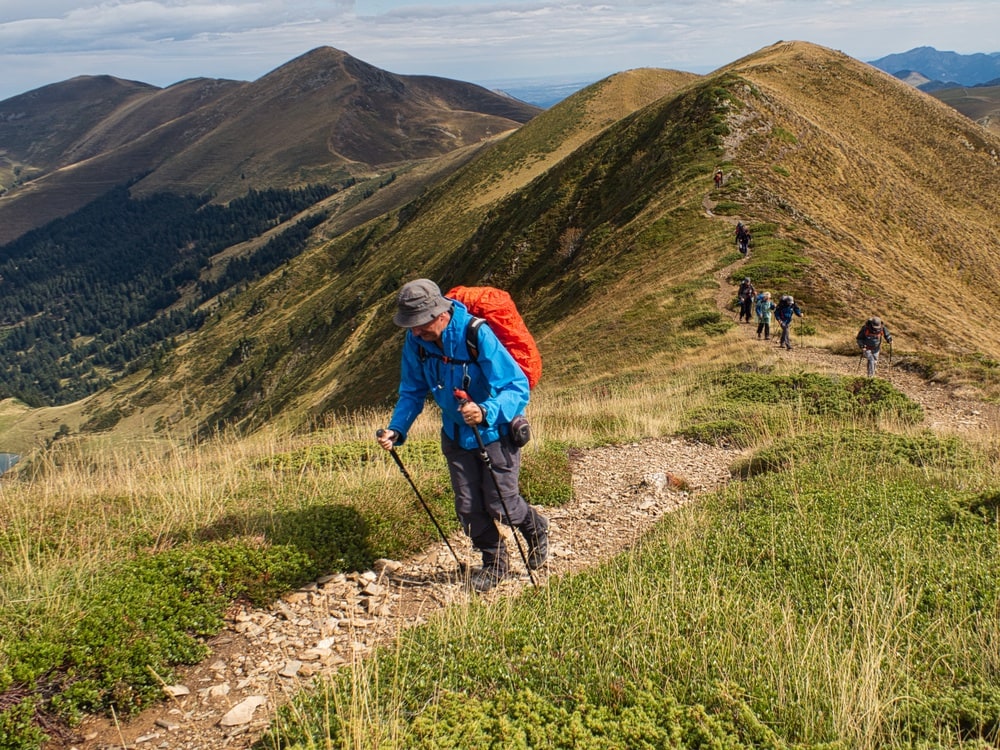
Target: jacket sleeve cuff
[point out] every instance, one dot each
(490, 411)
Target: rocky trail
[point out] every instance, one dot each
(266, 655)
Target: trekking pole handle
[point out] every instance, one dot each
(463, 399)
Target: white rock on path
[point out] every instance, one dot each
(242, 712)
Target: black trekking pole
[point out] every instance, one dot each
(463, 398)
(399, 463)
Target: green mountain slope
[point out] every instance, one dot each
(865, 196)
(275, 352)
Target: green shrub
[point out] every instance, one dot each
(546, 478)
(924, 451)
(726, 432)
(710, 322)
(145, 615)
(819, 394)
(18, 730)
(728, 207)
(751, 403)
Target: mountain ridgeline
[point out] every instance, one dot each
(865, 196)
(322, 118)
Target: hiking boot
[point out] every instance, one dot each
(538, 543)
(486, 579)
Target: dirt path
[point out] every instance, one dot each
(265, 655)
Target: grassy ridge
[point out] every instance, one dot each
(676, 640)
(845, 596)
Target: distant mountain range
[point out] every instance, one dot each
(542, 93)
(926, 67)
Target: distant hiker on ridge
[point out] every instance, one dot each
(870, 341)
(783, 313)
(718, 177)
(436, 361)
(742, 238)
(745, 296)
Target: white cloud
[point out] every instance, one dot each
(163, 41)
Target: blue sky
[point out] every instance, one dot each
(481, 41)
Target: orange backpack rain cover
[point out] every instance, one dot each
(498, 309)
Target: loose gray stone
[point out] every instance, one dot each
(291, 668)
(242, 712)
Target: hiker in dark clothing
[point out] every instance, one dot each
(718, 177)
(745, 296)
(765, 311)
(436, 361)
(742, 237)
(783, 313)
(870, 341)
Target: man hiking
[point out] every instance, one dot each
(870, 341)
(436, 360)
(745, 296)
(783, 313)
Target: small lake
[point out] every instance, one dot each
(7, 460)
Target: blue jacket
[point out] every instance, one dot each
(494, 381)
(784, 312)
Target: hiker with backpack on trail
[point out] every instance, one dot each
(480, 393)
(870, 342)
(718, 177)
(742, 238)
(746, 296)
(764, 308)
(783, 312)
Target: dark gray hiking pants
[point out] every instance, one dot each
(786, 334)
(476, 500)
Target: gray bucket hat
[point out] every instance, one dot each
(418, 303)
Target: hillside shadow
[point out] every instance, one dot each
(335, 538)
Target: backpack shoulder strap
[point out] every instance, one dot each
(472, 337)
(471, 343)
